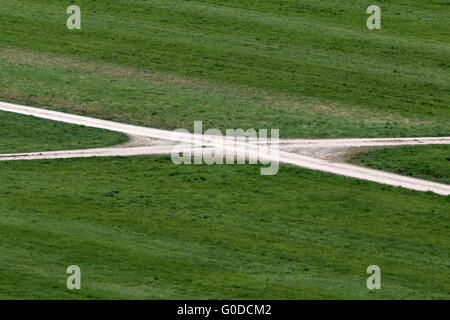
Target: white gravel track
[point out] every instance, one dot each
(295, 152)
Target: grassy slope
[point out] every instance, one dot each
(19, 133)
(316, 49)
(306, 235)
(144, 228)
(160, 100)
(425, 162)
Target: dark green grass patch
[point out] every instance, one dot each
(424, 162)
(143, 228)
(19, 133)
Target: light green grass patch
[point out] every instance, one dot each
(315, 49)
(169, 101)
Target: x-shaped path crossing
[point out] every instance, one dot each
(314, 154)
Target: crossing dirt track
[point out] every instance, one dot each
(315, 154)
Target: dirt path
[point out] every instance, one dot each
(314, 154)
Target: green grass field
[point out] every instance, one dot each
(19, 133)
(143, 228)
(167, 101)
(423, 162)
(316, 51)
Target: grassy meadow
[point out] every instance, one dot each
(143, 228)
(313, 50)
(19, 133)
(423, 162)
